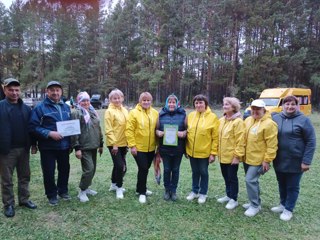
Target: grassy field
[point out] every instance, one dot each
(104, 217)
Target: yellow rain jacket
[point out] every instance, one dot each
(202, 137)
(231, 139)
(115, 120)
(141, 129)
(261, 140)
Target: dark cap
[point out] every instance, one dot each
(53, 83)
(11, 81)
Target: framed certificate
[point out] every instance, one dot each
(69, 128)
(170, 137)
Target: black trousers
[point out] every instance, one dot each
(119, 165)
(49, 158)
(143, 160)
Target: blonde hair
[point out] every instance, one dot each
(234, 102)
(145, 94)
(116, 92)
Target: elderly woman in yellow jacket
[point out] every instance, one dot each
(261, 149)
(202, 145)
(140, 133)
(231, 149)
(115, 120)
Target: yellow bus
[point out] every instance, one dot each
(273, 99)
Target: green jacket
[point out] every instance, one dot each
(91, 135)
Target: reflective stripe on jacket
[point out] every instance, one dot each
(261, 140)
(202, 136)
(115, 120)
(141, 129)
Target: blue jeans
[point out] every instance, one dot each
(200, 175)
(48, 164)
(171, 170)
(289, 187)
(230, 176)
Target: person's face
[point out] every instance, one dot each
(290, 107)
(85, 104)
(200, 106)
(116, 100)
(12, 93)
(145, 102)
(257, 112)
(227, 108)
(172, 104)
(54, 93)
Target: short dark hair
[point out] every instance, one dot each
(200, 97)
(290, 99)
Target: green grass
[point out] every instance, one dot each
(104, 217)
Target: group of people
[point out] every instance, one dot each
(287, 139)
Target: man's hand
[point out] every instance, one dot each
(55, 135)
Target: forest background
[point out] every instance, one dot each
(216, 47)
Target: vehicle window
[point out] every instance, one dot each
(271, 101)
(303, 100)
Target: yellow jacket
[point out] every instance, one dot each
(231, 139)
(141, 129)
(202, 136)
(261, 140)
(115, 120)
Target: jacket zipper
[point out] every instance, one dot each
(195, 134)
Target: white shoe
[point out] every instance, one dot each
(119, 193)
(278, 209)
(192, 196)
(223, 199)
(113, 187)
(83, 196)
(148, 193)
(246, 205)
(202, 198)
(142, 198)
(252, 211)
(286, 215)
(232, 204)
(91, 192)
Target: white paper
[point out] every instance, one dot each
(69, 128)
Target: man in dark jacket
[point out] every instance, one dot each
(14, 147)
(52, 145)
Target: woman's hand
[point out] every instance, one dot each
(100, 150)
(114, 150)
(78, 154)
(304, 167)
(182, 134)
(134, 151)
(265, 166)
(235, 161)
(159, 133)
(212, 158)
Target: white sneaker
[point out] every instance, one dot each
(119, 193)
(286, 215)
(202, 198)
(246, 205)
(83, 196)
(232, 204)
(192, 196)
(278, 209)
(223, 199)
(91, 192)
(252, 211)
(148, 193)
(113, 187)
(142, 198)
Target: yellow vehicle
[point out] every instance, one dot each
(273, 98)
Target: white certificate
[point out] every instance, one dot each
(69, 128)
(170, 137)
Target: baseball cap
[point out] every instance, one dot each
(258, 103)
(53, 83)
(11, 81)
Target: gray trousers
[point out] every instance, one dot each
(17, 158)
(252, 184)
(88, 164)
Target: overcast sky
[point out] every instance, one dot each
(7, 3)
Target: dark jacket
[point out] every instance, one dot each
(296, 142)
(91, 135)
(177, 117)
(43, 120)
(6, 126)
